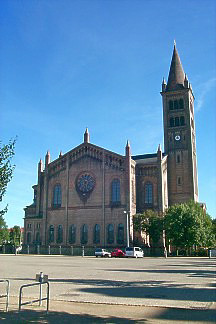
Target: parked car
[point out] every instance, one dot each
(134, 252)
(117, 253)
(102, 253)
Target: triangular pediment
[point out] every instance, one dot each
(90, 151)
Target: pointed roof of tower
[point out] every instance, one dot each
(176, 73)
(86, 136)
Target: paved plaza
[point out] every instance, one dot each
(178, 283)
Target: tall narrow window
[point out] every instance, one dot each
(170, 105)
(37, 238)
(28, 237)
(72, 234)
(110, 234)
(59, 234)
(57, 196)
(148, 193)
(51, 233)
(176, 106)
(84, 234)
(116, 191)
(176, 121)
(120, 235)
(171, 122)
(178, 159)
(179, 181)
(96, 234)
(181, 104)
(182, 120)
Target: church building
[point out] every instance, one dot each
(89, 195)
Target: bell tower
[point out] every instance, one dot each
(179, 134)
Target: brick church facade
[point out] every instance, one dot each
(89, 195)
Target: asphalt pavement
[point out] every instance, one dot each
(93, 290)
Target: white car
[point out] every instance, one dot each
(102, 253)
(134, 252)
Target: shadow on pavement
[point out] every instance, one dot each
(153, 315)
(141, 289)
(30, 316)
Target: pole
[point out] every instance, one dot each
(127, 214)
(41, 280)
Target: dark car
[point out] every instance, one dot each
(117, 253)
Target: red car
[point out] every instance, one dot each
(117, 253)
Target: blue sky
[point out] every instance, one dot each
(68, 65)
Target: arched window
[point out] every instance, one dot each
(59, 234)
(179, 181)
(176, 121)
(148, 193)
(171, 122)
(110, 234)
(176, 106)
(37, 238)
(181, 104)
(28, 237)
(120, 235)
(116, 191)
(178, 159)
(170, 105)
(182, 120)
(57, 196)
(84, 234)
(72, 234)
(96, 234)
(51, 233)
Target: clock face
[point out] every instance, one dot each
(177, 137)
(85, 183)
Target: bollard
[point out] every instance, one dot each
(4, 249)
(210, 252)
(49, 249)
(83, 251)
(41, 281)
(60, 249)
(15, 250)
(28, 249)
(71, 250)
(38, 249)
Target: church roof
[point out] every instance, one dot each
(145, 156)
(176, 73)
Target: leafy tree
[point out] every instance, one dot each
(214, 227)
(15, 235)
(187, 225)
(6, 169)
(151, 223)
(4, 235)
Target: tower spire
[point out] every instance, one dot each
(176, 74)
(86, 136)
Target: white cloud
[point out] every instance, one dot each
(206, 87)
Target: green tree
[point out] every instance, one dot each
(6, 168)
(6, 172)
(151, 223)
(15, 235)
(4, 235)
(187, 225)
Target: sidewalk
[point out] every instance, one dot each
(75, 312)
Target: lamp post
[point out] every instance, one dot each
(127, 227)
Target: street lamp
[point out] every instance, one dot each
(127, 226)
